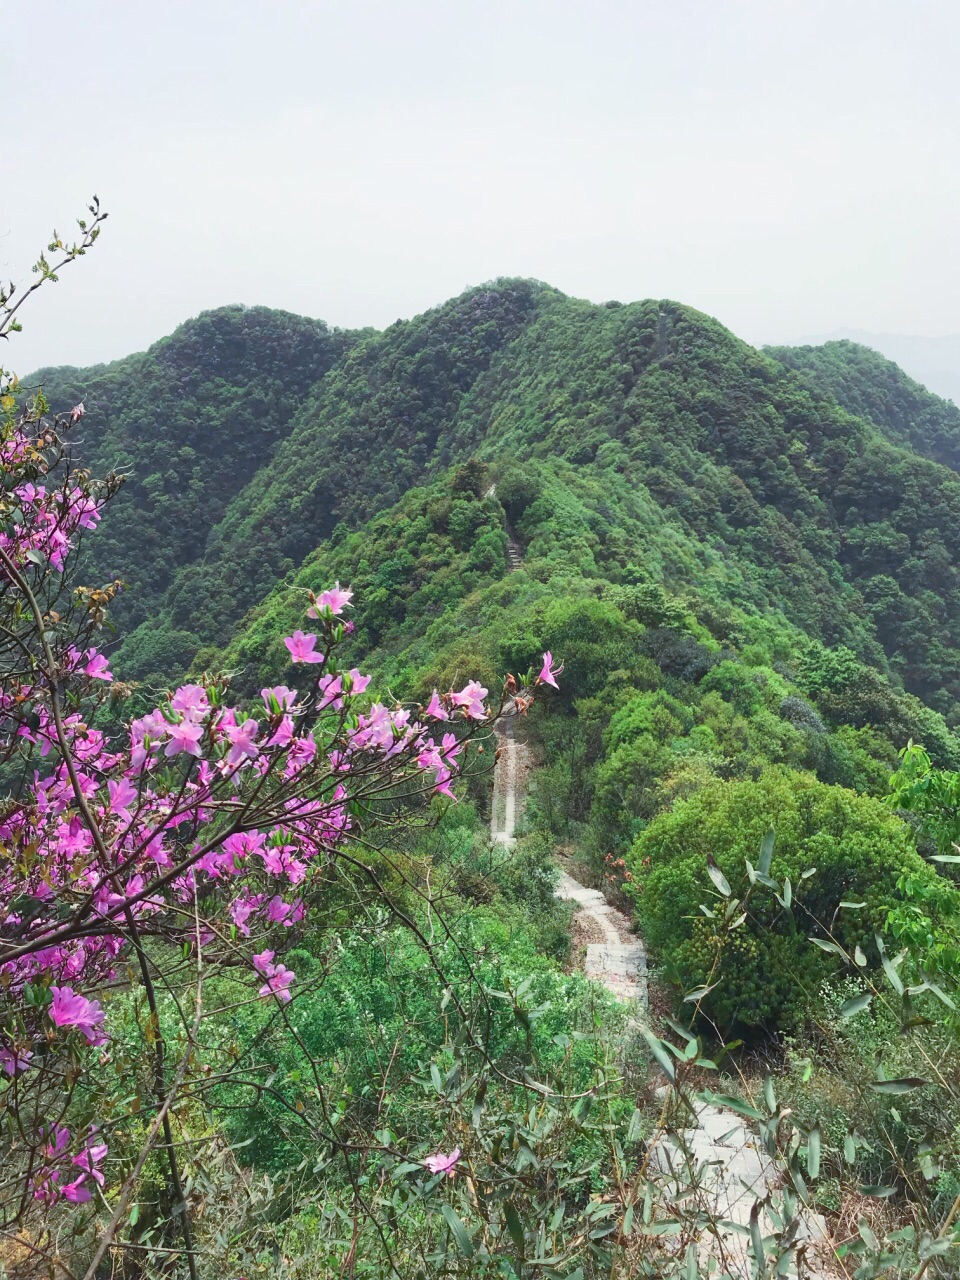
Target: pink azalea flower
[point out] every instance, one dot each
(61, 1138)
(191, 700)
(284, 697)
(549, 671)
(14, 1061)
(471, 698)
(242, 741)
(284, 733)
(241, 909)
(336, 600)
(280, 912)
(442, 784)
(89, 1159)
(303, 647)
(97, 666)
(278, 984)
(439, 1163)
(122, 794)
(76, 1192)
(330, 687)
(278, 977)
(184, 737)
(358, 682)
(70, 1010)
(436, 708)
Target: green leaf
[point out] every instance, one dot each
(659, 1051)
(718, 878)
(635, 1127)
(813, 1153)
(769, 1096)
(582, 1107)
(849, 1148)
(458, 1231)
(756, 1238)
(826, 945)
(905, 1085)
(698, 993)
(867, 1236)
(892, 975)
(766, 853)
(680, 1030)
(879, 1193)
(941, 995)
(515, 1227)
(856, 1004)
(732, 1104)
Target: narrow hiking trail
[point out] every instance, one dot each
(619, 963)
(714, 1149)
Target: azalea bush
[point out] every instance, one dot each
(141, 868)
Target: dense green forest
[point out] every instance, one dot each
(747, 562)
(759, 491)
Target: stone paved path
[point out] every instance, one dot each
(713, 1150)
(619, 966)
(503, 810)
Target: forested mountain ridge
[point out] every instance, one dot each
(190, 422)
(798, 505)
(870, 386)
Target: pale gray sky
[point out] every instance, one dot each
(789, 166)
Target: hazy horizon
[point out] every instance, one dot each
(785, 171)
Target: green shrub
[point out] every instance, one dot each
(766, 969)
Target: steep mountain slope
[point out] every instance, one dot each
(368, 432)
(854, 538)
(753, 486)
(190, 421)
(869, 385)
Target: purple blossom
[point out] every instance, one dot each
(71, 1010)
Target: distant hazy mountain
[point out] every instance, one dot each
(933, 361)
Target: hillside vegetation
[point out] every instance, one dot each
(747, 563)
(757, 488)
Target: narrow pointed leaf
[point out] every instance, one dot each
(766, 853)
(813, 1153)
(905, 1085)
(659, 1051)
(856, 1004)
(718, 878)
(458, 1231)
